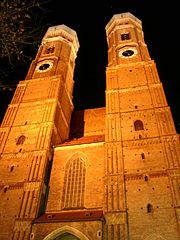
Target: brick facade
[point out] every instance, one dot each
(109, 173)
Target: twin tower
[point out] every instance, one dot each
(109, 173)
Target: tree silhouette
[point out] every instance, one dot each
(23, 23)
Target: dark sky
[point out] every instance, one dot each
(89, 18)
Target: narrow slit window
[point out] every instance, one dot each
(149, 208)
(145, 178)
(142, 155)
(12, 168)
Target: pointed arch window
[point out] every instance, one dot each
(138, 125)
(74, 184)
(20, 140)
(142, 155)
(149, 208)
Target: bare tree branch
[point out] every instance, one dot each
(22, 26)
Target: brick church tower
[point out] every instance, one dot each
(109, 173)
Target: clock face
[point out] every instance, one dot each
(127, 53)
(44, 66)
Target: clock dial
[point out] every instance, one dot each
(127, 53)
(44, 66)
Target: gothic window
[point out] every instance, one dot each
(125, 36)
(142, 155)
(66, 236)
(138, 125)
(20, 140)
(149, 208)
(50, 50)
(74, 184)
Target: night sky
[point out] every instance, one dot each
(89, 18)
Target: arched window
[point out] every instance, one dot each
(138, 125)
(146, 178)
(149, 208)
(20, 140)
(74, 184)
(50, 50)
(142, 155)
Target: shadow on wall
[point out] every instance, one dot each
(77, 125)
